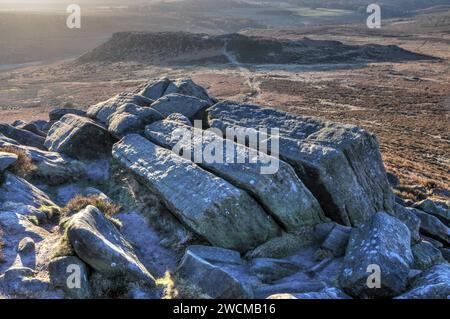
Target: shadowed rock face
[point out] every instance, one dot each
(184, 47)
(79, 137)
(340, 164)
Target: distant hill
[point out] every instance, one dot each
(192, 48)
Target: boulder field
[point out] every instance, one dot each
(166, 192)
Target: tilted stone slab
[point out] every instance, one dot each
(98, 243)
(213, 208)
(79, 137)
(155, 89)
(22, 136)
(279, 190)
(340, 164)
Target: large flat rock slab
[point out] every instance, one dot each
(271, 181)
(340, 164)
(221, 213)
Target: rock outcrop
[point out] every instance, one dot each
(340, 164)
(183, 209)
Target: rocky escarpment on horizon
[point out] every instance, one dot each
(161, 48)
(117, 193)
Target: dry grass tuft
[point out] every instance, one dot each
(64, 247)
(24, 165)
(80, 202)
(176, 287)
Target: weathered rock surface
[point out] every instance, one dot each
(79, 137)
(17, 190)
(432, 284)
(99, 244)
(51, 167)
(57, 114)
(276, 191)
(19, 230)
(22, 136)
(383, 241)
(203, 268)
(180, 118)
(433, 227)
(103, 110)
(432, 208)
(184, 86)
(20, 282)
(426, 255)
(188, 87)
(6, 160)
(214, 209)
(190, 106)
(322, 153)
(155, 89)
(406, 216)
(169, 202)
(131, 118)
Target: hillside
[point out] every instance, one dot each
(183, 47)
